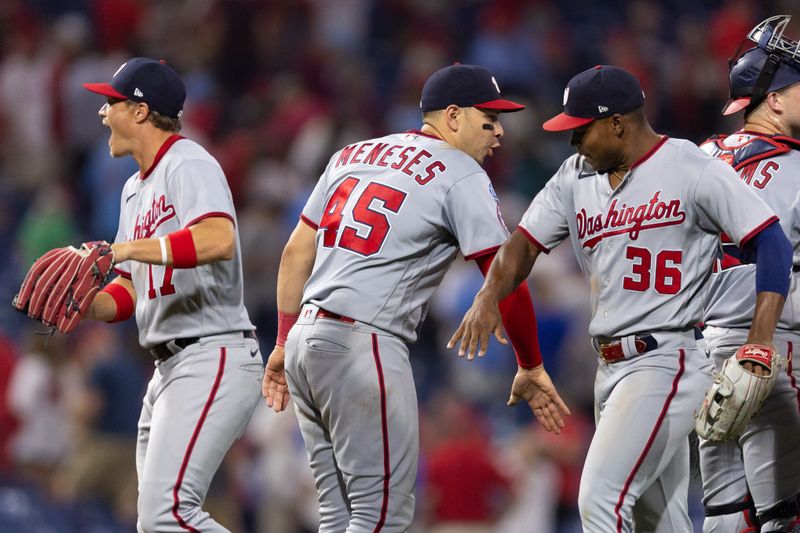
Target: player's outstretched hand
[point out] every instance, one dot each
(482, 319)
(274, 387)
(535, 387)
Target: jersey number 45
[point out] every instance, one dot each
(364, 213)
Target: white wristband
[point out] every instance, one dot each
(163, 242)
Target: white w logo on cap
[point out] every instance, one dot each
(122, 66)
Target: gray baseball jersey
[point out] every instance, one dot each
(392, 214)
(753, 468)
(175, 302)
(200, 399)
(731, 299)
(647, 248)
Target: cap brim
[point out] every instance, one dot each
(563, 122)
(735, 105)
(502, 105)
(105, 89)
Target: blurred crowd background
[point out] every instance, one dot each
(274, 87)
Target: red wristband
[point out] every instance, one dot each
(122, 299)
(184, 254)
(519, 320)
(285, 323)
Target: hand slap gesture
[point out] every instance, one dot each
(535, 387)
(274, 387)
(482, 319)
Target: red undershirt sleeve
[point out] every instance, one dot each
(519, 319)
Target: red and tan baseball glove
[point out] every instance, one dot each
(60, 285)
(737, 393)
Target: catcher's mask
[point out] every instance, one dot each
(773, 64)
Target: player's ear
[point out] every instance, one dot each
(617, 124)
(775, 101)
(453, 115)
(141, 112)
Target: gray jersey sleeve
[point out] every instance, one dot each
(727, 204)
(545, 221)
(194, 203)
(472, 213)
(312, 211)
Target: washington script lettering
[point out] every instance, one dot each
(628, 219)
(158, 213)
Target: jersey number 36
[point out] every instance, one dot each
(667, 279)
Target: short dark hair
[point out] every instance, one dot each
(638, 115)
(431, 114)
(160, 120)
(163, 122)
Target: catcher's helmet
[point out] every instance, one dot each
(773, 64)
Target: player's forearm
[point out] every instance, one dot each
(768, 310)
(297, 261)
(519, 320)
(142, 250)
(510, 267)
(291, 281)
(116, 302)
(103, 308)
(209, 241)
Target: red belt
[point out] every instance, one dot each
(611, 350)
(322, 313)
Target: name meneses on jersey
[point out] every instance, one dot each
(633, 219)
(407, 159)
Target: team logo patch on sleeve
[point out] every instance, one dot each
(493, 193)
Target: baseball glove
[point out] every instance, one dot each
(737, 394)
(60, 285)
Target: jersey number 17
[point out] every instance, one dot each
(166, 287)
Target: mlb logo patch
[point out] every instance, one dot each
(308, 314)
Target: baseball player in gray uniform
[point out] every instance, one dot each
(179, 264)
(759, 471)
(643, 213)
(376, 236)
